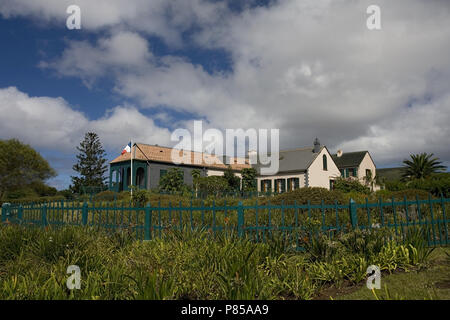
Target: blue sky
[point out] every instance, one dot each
(141, 69)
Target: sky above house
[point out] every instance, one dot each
(139, 69)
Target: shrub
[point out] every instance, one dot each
(350, 185)
(410, 194)
(106, 196)
(249, 179)
(212, 185)
(172, 181)
(234, 183)
(301, 196)
(437, 185)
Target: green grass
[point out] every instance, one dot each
(431, 282)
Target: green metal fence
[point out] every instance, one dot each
(294, 223)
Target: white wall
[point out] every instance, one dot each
(367, 163)
(210, 172)
(317, 176)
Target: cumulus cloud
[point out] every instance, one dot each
(121, 51)
(165, 18)
(52, 124)
(310, 68)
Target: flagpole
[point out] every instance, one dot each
(131, 150)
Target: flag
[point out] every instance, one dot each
(126, 149)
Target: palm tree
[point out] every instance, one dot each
(421, 166)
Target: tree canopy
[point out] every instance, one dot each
(421, 166)
(21, 166)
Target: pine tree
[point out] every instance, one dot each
(91, 165)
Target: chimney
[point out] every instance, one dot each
(316, 145)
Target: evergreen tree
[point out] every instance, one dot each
(91, 165)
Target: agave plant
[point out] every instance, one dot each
(421, 166)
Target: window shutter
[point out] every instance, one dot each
(296, 183)
(346, 173)
(283, 185)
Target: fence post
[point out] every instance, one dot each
(148, 223)
(84, 217)
(20, 213)
(5, 211)
(353, 214)
(44, 215)
(240, 220)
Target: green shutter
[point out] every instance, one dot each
(355, 172)
(296, 183)
(346, 173)
(289, 184)
(283, 185)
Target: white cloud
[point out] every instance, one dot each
(122, 51)
(310, 68)
(164, 18)
(52, 124)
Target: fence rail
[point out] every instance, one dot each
(293, 222)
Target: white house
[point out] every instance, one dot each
(303, 167)
(356, 165)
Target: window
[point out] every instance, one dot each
(351, 172)
(266, 185)
(342, 173)
(331, 184)
(368, 173)
(325, 166)
(280, 185)
(293, 184)
(162, 173)
(140, 178)
(114, 177)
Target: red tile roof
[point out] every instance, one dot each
(150, 153)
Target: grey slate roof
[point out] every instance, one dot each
(349, 159)
(296, 160)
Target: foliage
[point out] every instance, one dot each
(67, 194)
(106, 196)
(172, 181)
(410, 194)
(301, 196)
(248, 179)
(91, 165)
(21, 166)
(234, 183)
(436, 184)
(421, 166)
(186, 265)
(350, 185)
(196, 173)
(212, 185)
